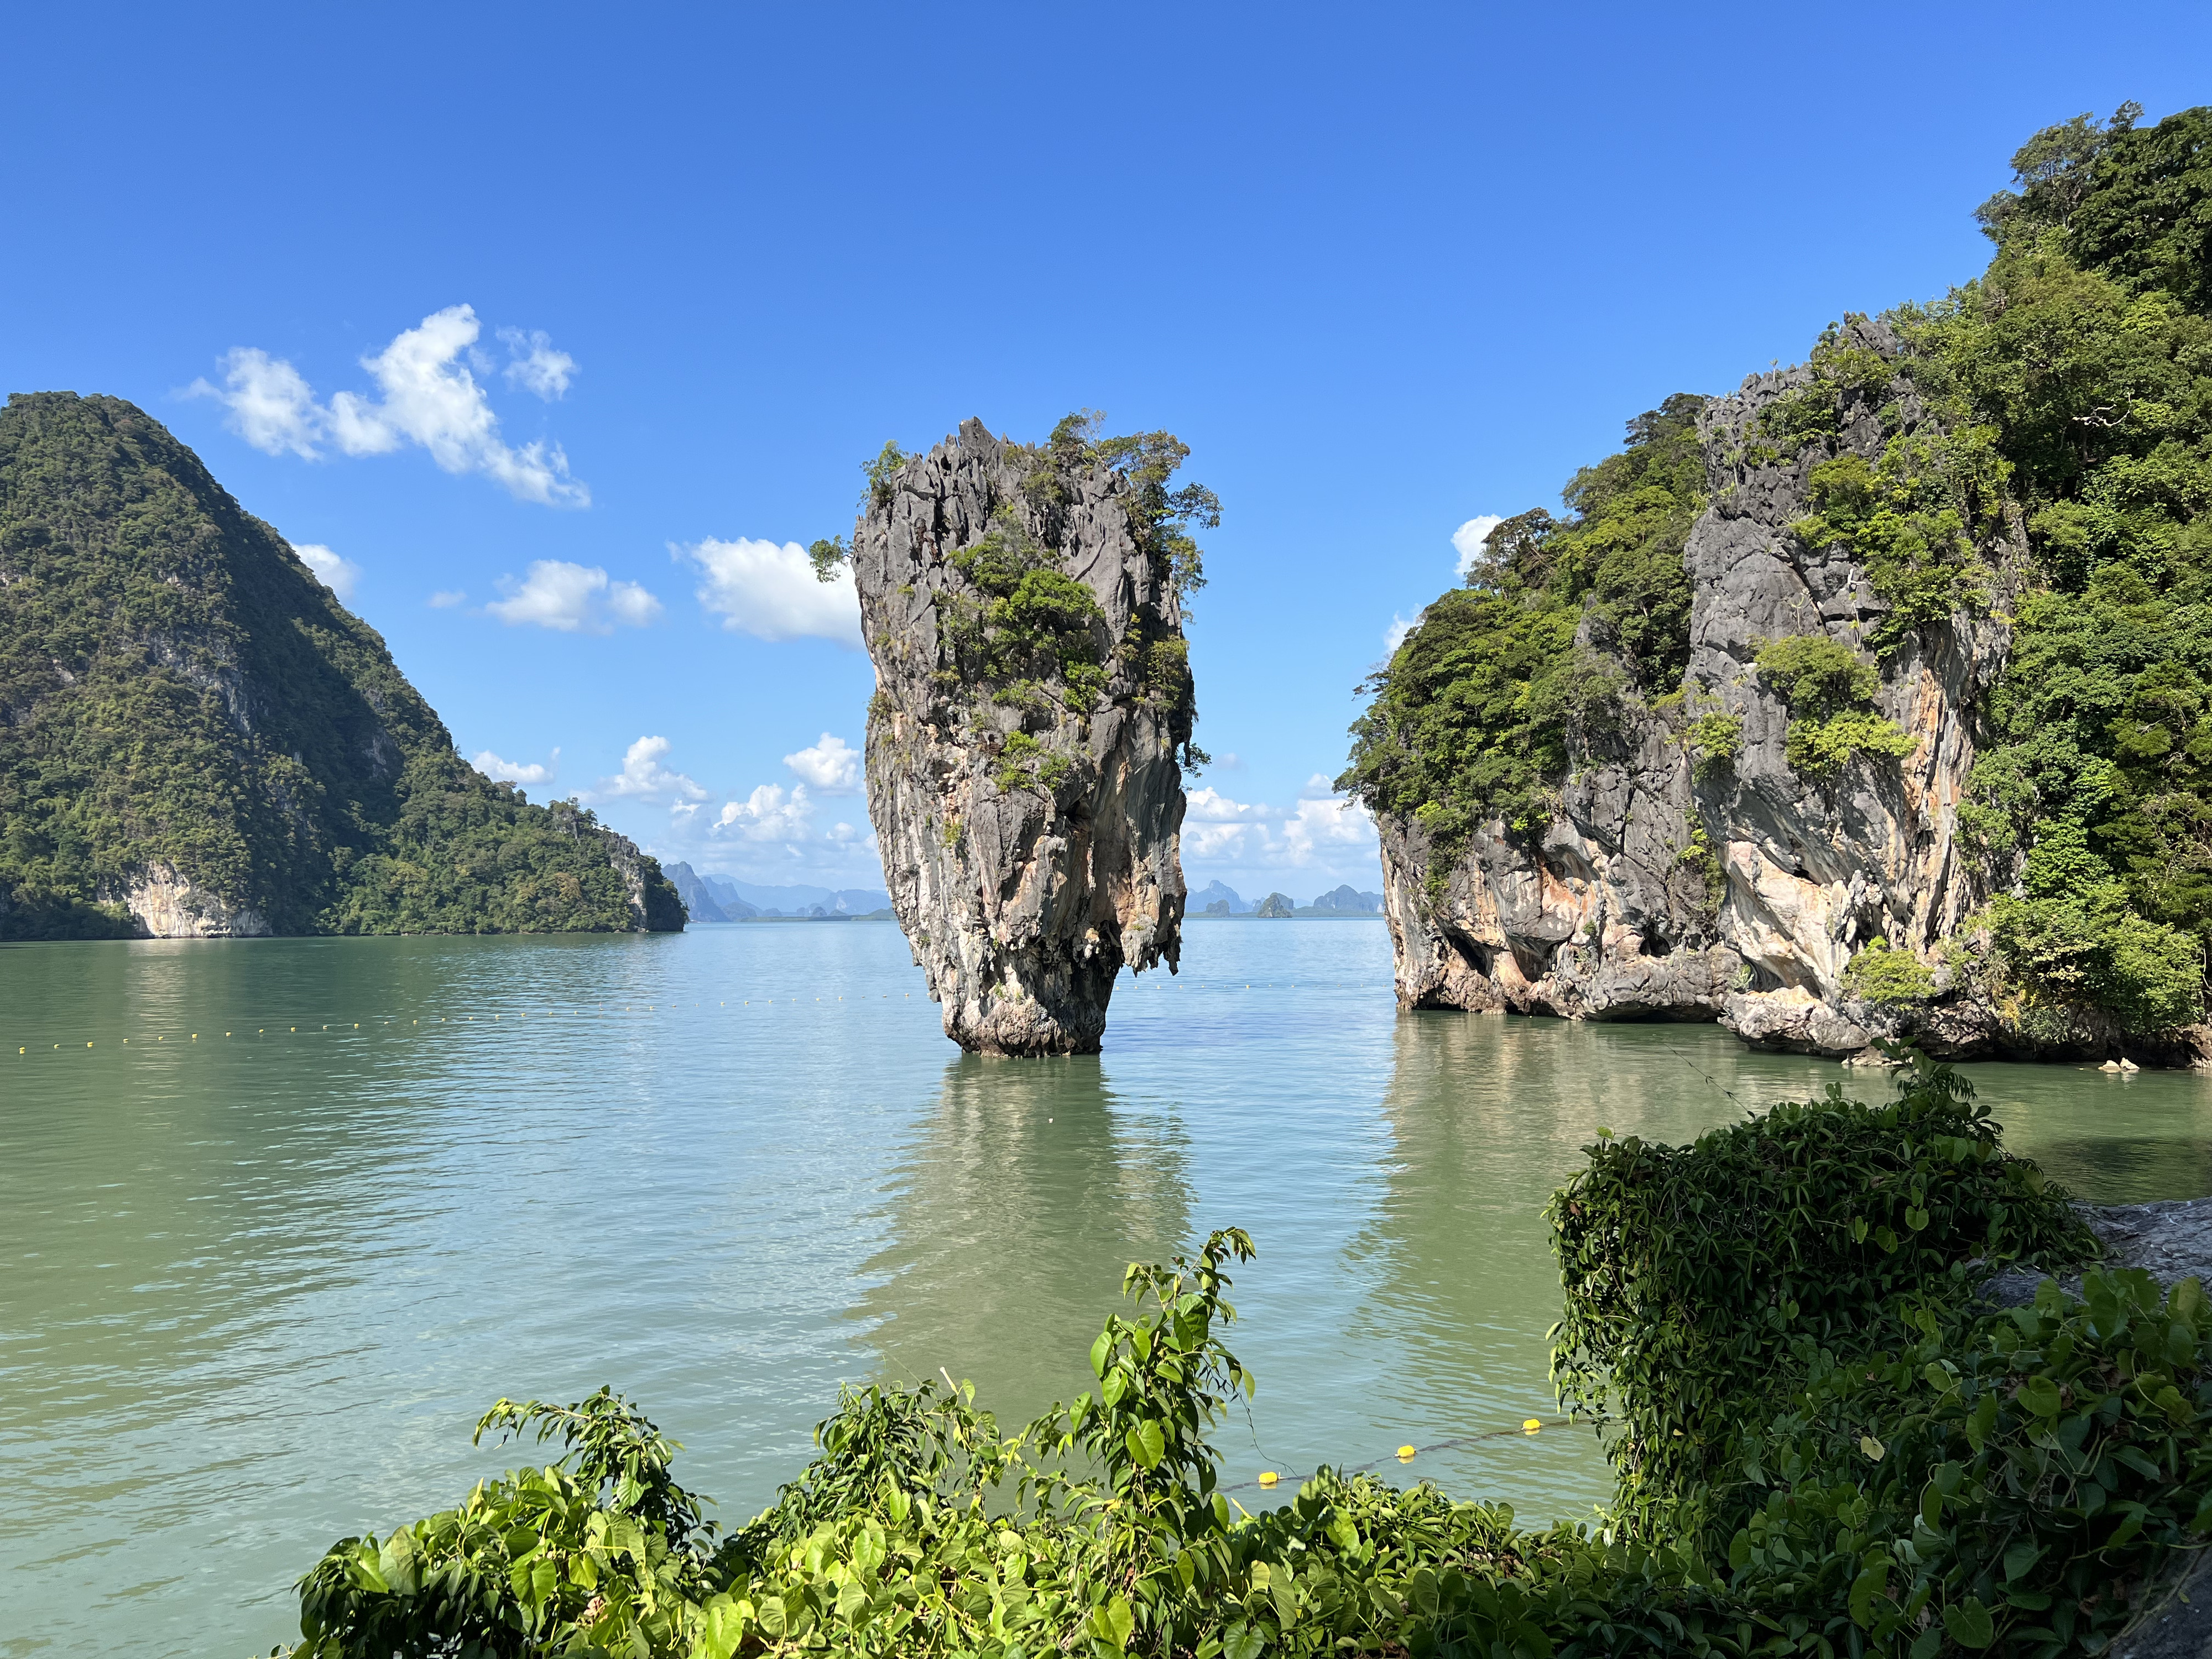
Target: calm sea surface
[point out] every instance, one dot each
(257, 1283)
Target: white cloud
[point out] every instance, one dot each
(269, 404)
(843, 833)
(447, 598)
(337, 573)
(767, 814)
(770, 591)
(508, 771)
(428, 398)
(1322, 828)
(832, 766)
(1211, 807)
(644, 778)
(1469, 537)
(537, 367)
(571, 598)
(1400, 627)
(1327, 827)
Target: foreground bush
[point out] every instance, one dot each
(1826, 1444)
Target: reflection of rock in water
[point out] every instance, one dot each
(1020, 1202)
(1487, 1116)
(1480, 1137)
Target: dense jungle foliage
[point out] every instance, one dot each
(2086, 352)
(1031, 637)
(177, 688)
(2049, 457)
(1477, 712)
(1828, 1442)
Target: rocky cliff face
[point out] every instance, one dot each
(1031, 694)
(1674, 885)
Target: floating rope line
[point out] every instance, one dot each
(1528, 1428)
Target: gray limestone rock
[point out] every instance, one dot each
(1029, 820)
(1736, 891)
(2169, 1239)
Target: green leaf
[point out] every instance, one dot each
(2020, 1558)
(1864, 1588)
(1118, 1621)
(1147, 1444)
(1970, 1625)
(1099, 1351)
(2040, 1395)
(1243, 1641)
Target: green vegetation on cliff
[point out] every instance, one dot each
(1035, 637)
(1826, 1443)
(2085, 349)
(1560, 618)
(177, 688)
(2048, 460)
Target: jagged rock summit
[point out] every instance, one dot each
(1023, 606)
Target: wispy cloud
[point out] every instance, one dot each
(337, 573)
(537, 367)
(269, 404)
(508, 771)
(832, 766)
(426, 397)
(769, 591)
(571, 598)
(447, 598)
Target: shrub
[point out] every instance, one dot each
(1894, 977)
(1715, 738)
(1830, 694)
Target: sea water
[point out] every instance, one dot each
(280, 1219)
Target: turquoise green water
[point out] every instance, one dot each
(255, 1288)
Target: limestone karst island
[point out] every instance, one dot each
(1329, 835)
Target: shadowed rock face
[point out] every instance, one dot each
(1022, 774)
(1737, 892)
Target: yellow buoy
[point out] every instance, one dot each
(1532, 1426)
(1268, 1477)
(1404, 1454)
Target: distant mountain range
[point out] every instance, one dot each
(712, 897)
(1218, 899)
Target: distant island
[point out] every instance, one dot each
(710, 898)
(197, 740)
(1219, 900)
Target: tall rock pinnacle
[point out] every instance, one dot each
(1023, 606)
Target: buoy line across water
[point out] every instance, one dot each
(1269, 1478)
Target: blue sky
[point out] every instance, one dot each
(556, 325)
